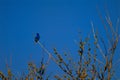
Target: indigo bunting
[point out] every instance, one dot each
(37, 37)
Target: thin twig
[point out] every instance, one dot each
(105, 27)
(78, 45)
(51, 57)
(49, 54)
(103, 45)
(97, 42)
(97, 59)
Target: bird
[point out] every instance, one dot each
(37, 37)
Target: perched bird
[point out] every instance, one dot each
(37, 37)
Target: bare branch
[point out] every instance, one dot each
(102, 53)
(49, 54)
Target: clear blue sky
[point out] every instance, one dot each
(57, 21)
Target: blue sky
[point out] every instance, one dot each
(58, 22)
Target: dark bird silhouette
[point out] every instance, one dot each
(37, 37)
